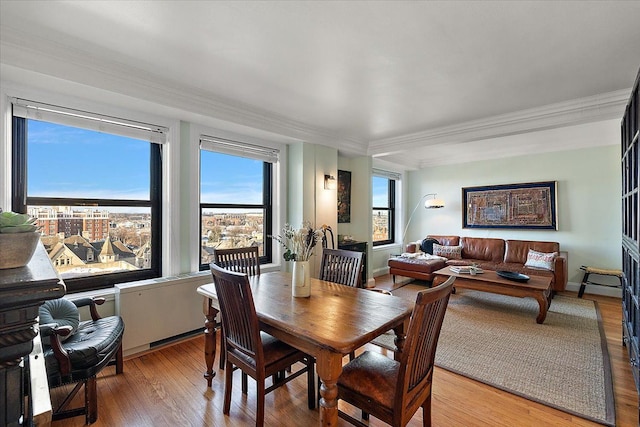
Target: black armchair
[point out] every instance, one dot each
(75, 352)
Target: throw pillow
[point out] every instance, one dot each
(427, 245)
(449, 252)
(540, 260)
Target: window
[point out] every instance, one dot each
(90, 181)
(236, 183)
(384, 200)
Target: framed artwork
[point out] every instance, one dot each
(529, 206)
(344, 196)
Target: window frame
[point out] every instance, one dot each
(20, 200)
(268, 185)
(391, 209)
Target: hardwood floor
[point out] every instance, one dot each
(166, 388)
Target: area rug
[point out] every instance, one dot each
(494, 339)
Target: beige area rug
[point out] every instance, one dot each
(494, 339)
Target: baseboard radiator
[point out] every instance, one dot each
(159, 309)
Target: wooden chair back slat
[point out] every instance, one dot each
(239, 318)
(417, 359)
(241, 260)
(341, 266)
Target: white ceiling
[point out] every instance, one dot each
(396, 80)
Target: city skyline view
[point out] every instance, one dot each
(108, 174)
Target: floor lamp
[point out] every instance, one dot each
(428, 204)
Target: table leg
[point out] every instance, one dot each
(543, 302)
(400, 338)
(210, 314)
(329, 366)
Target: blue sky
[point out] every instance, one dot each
(70, 162)
(380, 192)
(66, 161)
(230, 179)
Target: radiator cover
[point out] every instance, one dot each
(157, 309)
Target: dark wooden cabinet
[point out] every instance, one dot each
(22, 291)
(357, 247)
(630, 149)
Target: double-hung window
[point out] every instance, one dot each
(236, 192)
(94, 183)
(384, 206)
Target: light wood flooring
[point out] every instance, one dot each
(166, 388)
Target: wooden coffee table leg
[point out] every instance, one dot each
(543, 302)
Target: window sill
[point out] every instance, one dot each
(386, 247)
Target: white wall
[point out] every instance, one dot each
(589, 213)
(307, 198)
(361, 225)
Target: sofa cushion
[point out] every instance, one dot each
(449, 252)
(416, 264)
(485, 265)
(446, 240)
(483, 248)
(541, 260)
(519, 268)
(517, 250)
(459, 262)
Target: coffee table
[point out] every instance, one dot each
(538, 287)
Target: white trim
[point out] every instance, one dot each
(23, 49)
(5, 152)
(609, 291)
(171, 212)
(583, 110)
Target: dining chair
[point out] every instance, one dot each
(241, 260)
(256, 353)
(341, 266)
(391, 390)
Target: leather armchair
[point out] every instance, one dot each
(75, 352)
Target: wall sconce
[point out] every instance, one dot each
(329, 182)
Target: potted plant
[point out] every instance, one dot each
(19, 238)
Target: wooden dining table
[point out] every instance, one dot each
(334, 321)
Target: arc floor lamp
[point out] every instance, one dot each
(432, 203)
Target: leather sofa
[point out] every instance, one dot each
(487, 253)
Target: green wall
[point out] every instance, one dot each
(588, 202)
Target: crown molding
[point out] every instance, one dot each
(25, 50)
(581, 136)
(46, 56)
(583, 110)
